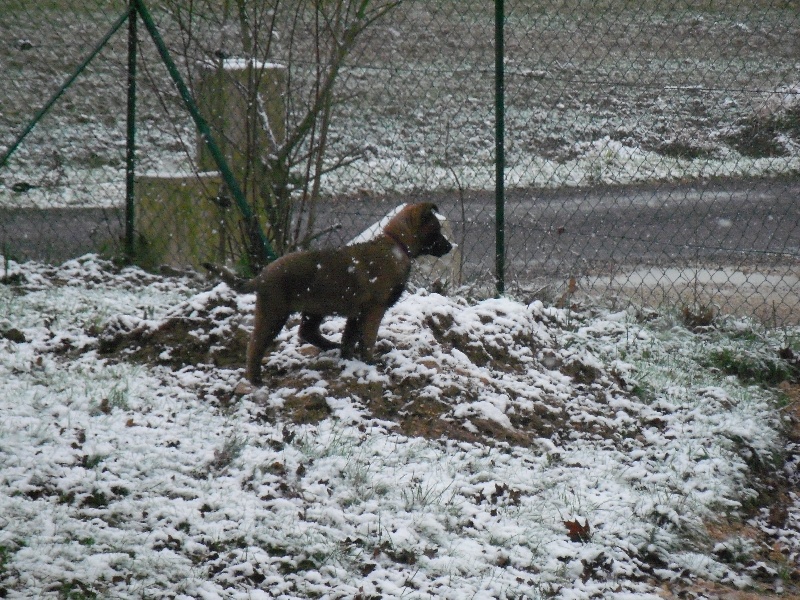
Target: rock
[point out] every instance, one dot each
(243, 388)
(14, 335)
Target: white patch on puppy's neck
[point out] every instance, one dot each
(398, 252)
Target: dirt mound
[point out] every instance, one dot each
(489, 371)
(206, 329)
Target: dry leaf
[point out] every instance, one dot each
(578, 532)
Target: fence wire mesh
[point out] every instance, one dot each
(652, 148)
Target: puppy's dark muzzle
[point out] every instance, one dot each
(438, 247)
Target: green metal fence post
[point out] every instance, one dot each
(500, 158)
(130, 144)
(205, 131)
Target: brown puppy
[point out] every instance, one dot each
(359, 282)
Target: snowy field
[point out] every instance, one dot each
(596, 94)
(496, 450)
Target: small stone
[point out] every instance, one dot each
(243, 388)
(14, 335)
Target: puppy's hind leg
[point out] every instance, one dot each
(309, 332)
(268, 322)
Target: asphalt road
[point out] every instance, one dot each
(726, 222)
(731, 222)
(57, 234)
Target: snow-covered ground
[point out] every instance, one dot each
(395, 164)
(496, 449)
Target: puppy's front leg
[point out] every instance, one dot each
(268, 320)
(370, 322)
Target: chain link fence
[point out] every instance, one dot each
(652, 149)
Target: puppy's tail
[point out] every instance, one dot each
(236, 283)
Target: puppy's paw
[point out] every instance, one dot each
(367, 357)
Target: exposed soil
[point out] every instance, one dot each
(216, 334)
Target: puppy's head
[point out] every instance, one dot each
(432, 241)
(418, 227)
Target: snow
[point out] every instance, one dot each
(373, 230)
(126, 477)
(394, 166)
(604, 161)
(238, 64)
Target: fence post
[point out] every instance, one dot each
(130, 143)
(499, 135)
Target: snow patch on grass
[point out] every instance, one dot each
(461, 464)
